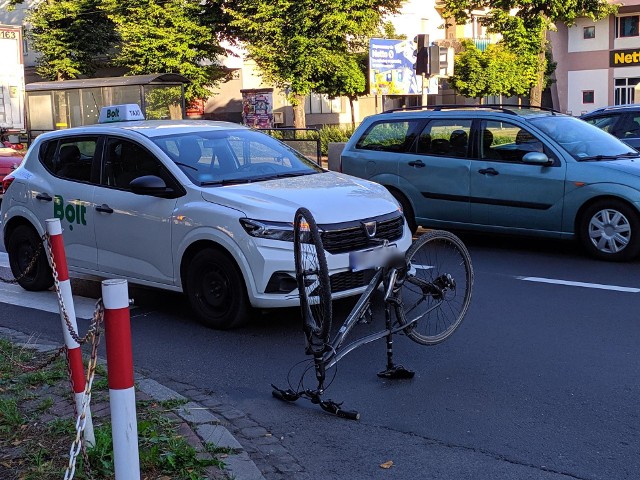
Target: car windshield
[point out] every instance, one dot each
(225, 157)
(582, 140)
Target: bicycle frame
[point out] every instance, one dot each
(336, 351)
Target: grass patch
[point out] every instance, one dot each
(34, 444)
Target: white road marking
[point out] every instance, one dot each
(46, 301)
(580, 284)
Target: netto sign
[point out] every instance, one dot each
(624, 58)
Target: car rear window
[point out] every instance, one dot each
(389, 136)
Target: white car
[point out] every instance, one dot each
(201, 207)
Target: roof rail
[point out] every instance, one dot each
(492, 106)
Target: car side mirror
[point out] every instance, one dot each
(536, 158)
(150, 185)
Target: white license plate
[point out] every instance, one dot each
(372, 258)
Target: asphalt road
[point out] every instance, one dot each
(540, 382)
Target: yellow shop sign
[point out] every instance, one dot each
(624, 58)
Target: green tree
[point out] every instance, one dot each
(71, 36)
(170, 36)
(525, 32)
(496, 71)
(345, 73)
(308, 45)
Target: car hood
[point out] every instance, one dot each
(631, 167)
(331, 197)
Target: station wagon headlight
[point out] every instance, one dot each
(269, 230)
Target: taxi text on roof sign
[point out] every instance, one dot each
(120, 113)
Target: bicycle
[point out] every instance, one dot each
(429, 301)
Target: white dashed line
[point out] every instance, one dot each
(580, 284)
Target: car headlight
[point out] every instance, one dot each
(269, 230)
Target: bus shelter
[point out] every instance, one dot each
(74, 103)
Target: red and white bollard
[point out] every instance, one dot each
(74, 352)
(122, 397)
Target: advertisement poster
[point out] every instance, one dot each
(257, 107)
(391, 67)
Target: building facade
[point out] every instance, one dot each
(598, 62)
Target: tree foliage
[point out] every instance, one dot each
(169, 36)
(496, 71)
(301, 44)
(524, 32)
(71, 36)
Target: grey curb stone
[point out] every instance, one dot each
(194, 413)
(242, 467)
(218, 435)
(157, 391)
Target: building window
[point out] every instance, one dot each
(317, 103)
(624, 90)
(587, 96)
(627, 26)
(589, 32)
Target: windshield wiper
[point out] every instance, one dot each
(185, 165)
(609, 157)
(227, 181)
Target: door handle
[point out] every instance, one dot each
(416, 163)
(104, 208)
(44, 196)
(488, 171)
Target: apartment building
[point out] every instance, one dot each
(598, 62)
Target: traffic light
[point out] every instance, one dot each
(434, 60)
(422, 54)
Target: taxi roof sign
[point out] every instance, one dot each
(120, 113)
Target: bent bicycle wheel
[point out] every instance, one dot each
(312, 276)
(436, 292)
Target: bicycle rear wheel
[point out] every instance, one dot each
(439, 275)
(312, 276)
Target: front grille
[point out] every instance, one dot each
(350, 236)
(347, 280)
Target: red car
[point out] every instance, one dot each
(10, 158)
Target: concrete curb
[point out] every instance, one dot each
(207, 427)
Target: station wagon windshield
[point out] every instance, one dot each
(582, 140)
(217, 158)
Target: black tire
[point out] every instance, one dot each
(437, 288)
(216, 290)
(407, 211)
(610, 230)
(22, 244)
(312, 276)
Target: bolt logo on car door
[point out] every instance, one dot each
(72, 213)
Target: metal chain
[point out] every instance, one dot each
(56, 282)
(27, 368)
(78, 444)
(32, 263)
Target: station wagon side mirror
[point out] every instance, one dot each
(151, 185)
(536, 158)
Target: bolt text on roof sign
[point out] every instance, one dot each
(624, 58)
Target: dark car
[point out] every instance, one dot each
(622, 121)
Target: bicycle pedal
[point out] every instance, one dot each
(397, 372)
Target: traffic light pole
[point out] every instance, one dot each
(425, 95)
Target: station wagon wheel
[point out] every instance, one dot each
(407, 210)
(216, 290)
(23, 243)
(610, 230)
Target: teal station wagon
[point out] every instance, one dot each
(505, 169)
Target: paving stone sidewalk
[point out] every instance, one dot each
(204, 418)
